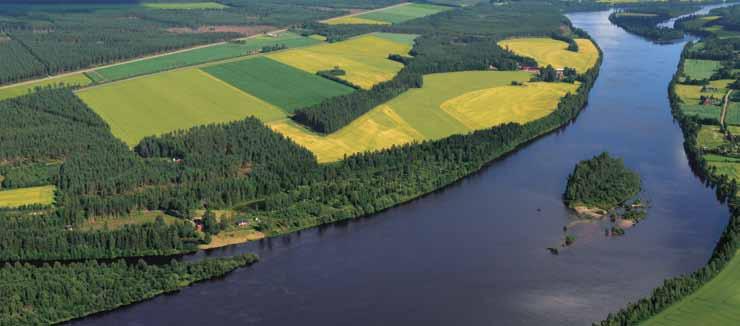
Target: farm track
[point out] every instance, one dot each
(725, 103)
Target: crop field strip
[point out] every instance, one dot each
(449, 103)
(364, 58)
(548, 51)
(201, 55)
(79, 80)
(715, 303)
(43, 195)
(279, 84)
(170, 101)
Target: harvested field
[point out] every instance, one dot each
(169, 101)
(27, 196)
(277, 83)
(202, 55)
(548, 51)
(428, 113)
(364, 58)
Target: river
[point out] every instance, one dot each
(474, 253)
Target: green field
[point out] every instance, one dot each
(184, 5)
(716, 303)
(449, 103)
(400, 14)
(169, 101)
(115, 223)
(198, 56)
(733, 114)
(702, 111)
(364, 58)
(700, 69)
(548, 51)
(27, 196)
(18, 90)
(277, 83)
(710, 137)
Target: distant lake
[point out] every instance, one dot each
(475, 253)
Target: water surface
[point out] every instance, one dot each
(474, 254)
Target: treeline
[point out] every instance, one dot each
(603, 182)
(643, 20)
(50, 294)
(457, 40)
(676, 289)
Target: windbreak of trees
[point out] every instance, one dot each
(602, 182)
(50, 294)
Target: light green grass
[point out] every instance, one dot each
(202, 55)
(397, 37)
(166, 102)
(135, 218)
(400, 14)
(710, 137)
(702, 111)
(184, 5)
(733, 114)
(277, 83)
(19, 90)
(700, 69)
(364, 58)
(449, 103)
(716, 303)
(43, 195)
(354, 20)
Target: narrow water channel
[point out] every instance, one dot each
(474, 254)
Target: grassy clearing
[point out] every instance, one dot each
(724, 165)
(43, 195)
(407, 39)
(115, 223)
(702, 111)
(700, 69)
(202, 55)
(364, 58)
(733, 114)
(169, 101)
(710, 137)
(691, 94)
(443, 107)
(19, 90)
(400, 14)
(277, 83)
(231, 237)
(715, 303)
(548, 51)
(184, 5)
(354, 20)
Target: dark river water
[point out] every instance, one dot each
(475, 253)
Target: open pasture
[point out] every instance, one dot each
(354, 20)
(402, 13)
(201, 55)
(279, 84)
(169, 101)
(43, 195)
(715, 303)
(437, 110)
(364, 58)
(184, 5)
(135, 218)
(710, 137)
(548, 51)
(691, 94)
(733, 114)
(700, 69)
(23, 89)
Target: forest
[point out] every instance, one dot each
(603, 182)
(643, 20)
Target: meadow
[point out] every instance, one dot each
(733, 114)
(279, 84)
(716, 303)
(354, 20)
(184, 5)
(548, 51)
(700, 69)
(449, 103)
(400, 14)
(78, 80)
(710, 137)
(135, 218)
(199, 56)
(43, 195)
(691, 94)
(363, 58)
(169, 101)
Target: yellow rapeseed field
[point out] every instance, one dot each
(449, 103)
(548, 51)
(364, 58)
